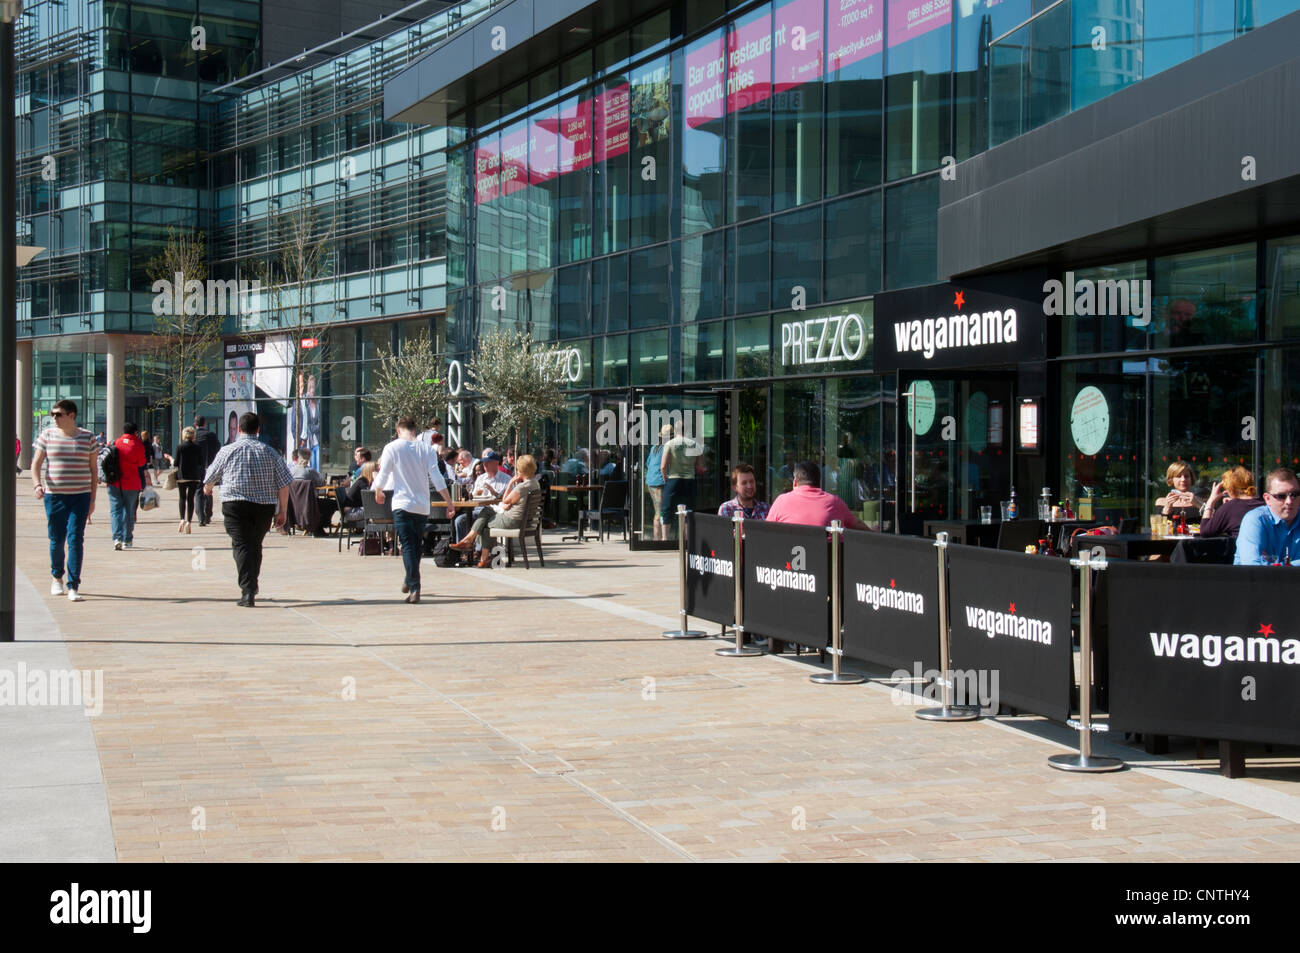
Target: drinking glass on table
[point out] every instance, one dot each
(986, 515)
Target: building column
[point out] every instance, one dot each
(24, 403)
(115, 414)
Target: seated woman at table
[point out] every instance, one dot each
(364, 481)
(511, 515)
(1181, 499)
(1231, 499)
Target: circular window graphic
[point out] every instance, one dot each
(920, 415)
(1090, 421)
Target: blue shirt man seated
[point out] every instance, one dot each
(1270, 535)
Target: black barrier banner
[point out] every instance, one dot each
(891, 601)
(1205, 651)
(1010, 618)
(710, 568)
(787, 582)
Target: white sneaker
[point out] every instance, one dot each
(56, 587)
(74, 596)
(117, 544)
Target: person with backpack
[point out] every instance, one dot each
(211, 444)
(121, 467)
(66, 478)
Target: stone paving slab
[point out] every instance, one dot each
(537, 715)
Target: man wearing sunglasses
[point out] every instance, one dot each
(1270, 535)
(66, 477)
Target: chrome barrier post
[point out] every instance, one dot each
(683, 632)
(1085, 761)
(835, 676)
(740, 649)
(949, 711)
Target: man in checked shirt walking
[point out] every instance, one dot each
(253, 478)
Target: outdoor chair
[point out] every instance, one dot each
(379, 520)
(532, 528)
(346, 525)
(1015, 535)
(612, 506)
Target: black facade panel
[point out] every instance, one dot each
(1139, 168)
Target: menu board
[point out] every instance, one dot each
(909, 19)
(1028, 437)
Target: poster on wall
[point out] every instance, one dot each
(239, 393)
(909, 19)
(854, 31)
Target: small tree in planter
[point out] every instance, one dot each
(410, 382)
(521, 383)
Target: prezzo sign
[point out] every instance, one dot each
(822, 340)
(953, 326)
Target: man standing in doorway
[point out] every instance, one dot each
(68, 486)
(210, 444)
(677, 463)
(253, 478)
(407, 466)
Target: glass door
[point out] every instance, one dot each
(629, 434)
(956, 447)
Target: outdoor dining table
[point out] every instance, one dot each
(1141, 545)
(969, 532)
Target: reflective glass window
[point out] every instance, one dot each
(749, 114)
(918, 59)
(853, 247)
(911, 233)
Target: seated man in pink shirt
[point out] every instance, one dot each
(809, 505)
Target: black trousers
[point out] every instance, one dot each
(205, 507)
(247, 523)
(188, 490)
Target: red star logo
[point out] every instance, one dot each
(713, 552)
(787, 565)
(1013, 608)
(891, 584)
(1265, 629)
(959, 300)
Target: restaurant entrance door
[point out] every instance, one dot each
(626, 430)
(955, 446)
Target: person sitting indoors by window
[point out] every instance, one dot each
(809, 505)
(302, 468)
(1181, 500)
(511, 516)
(1270, 535)
(1230, 500)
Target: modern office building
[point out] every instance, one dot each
(828, 226)
(233, 119)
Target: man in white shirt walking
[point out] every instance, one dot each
(406, 467)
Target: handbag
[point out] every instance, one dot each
(169, 479)
(148, 498)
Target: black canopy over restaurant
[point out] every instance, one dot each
(942, 249)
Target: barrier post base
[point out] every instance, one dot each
(833, 678)
(1085, 764)
(948, 713)
(684, 634)
(747, 651)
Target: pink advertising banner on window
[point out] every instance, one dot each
(854, 31)
(514, 159)
(749, 63)
(543, 150)
(613, 108)
(798, 36)
(487, 171)
(575, 137)
(909, 19)
(706, 67)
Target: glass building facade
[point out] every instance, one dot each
(668, 201)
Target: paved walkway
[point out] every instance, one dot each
(526, 715)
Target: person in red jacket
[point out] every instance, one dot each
(123, 494)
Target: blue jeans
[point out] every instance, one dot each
(121, 511)
(410, 532)
(66, 514)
